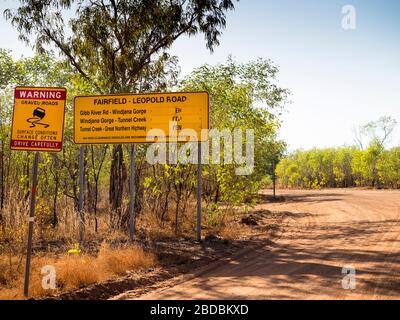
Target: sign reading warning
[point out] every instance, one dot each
(38, 119)
(139, 118)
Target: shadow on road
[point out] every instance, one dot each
(307, 262)
(302, 198)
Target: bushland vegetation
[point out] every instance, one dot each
(369, 164)
(242, 96)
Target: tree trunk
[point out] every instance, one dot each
(164, 210)
(2, 187)
(27, 185)
(117, 180)
(95, 205)
(55, 218)
(217, 194)
(273, 180)
(178, 202)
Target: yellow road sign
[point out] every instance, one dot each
(38, 119)
(141, 118)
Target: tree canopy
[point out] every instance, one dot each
(118, 45)
(245, 96)
(341, 167)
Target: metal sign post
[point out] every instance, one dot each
(199, 192)
(31, 221)
(81, 192)
(273, 179)
(128, 119)
(37, 125)
(132, 195)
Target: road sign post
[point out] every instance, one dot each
(128, 119)
(37, 125)
(132, 191)
(31, 221)
(81, 193)
(199, 192)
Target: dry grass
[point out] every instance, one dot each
(73, 271)
(93, 266)
(78, 271)
(10, 268)
(12, 272)
(232, 230)
(124, 259)
(153, 228)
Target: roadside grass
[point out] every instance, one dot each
(105, 256)
(124, 259)
(73, 271)
(106, 253)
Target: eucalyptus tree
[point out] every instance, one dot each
(242, 96)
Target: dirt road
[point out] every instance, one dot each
(323, 231)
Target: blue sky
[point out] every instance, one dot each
(338, 78)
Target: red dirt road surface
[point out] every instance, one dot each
(323, 231)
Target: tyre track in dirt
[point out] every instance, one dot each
(324, 231)
(386, 222)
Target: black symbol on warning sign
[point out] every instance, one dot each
(38, 114)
